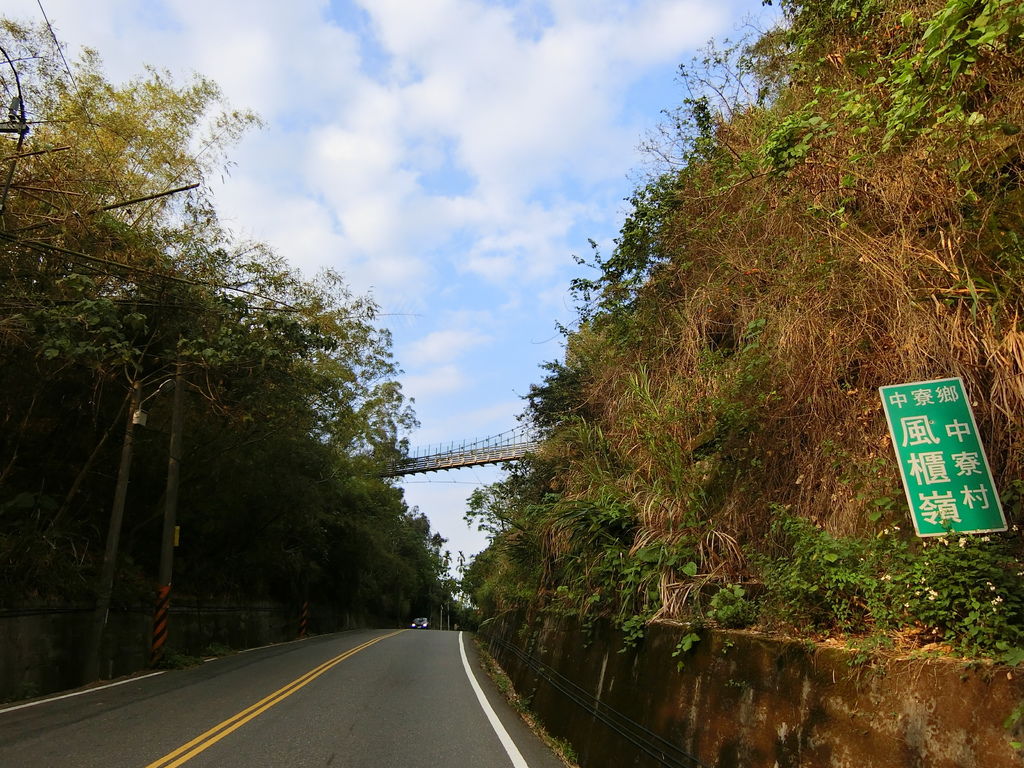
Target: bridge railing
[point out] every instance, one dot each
(507, 446)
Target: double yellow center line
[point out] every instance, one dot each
(204, 741)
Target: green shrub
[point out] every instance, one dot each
(217, 649)
(731, 608)
(960, 589)
(174, 660)
(966, 589)
(821, 582)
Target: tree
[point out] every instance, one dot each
(114, 270)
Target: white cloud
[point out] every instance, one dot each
(528, 246)
(449, 156)
(443, 380)
(523, 100)
(443, 495)
(280, 59)
(656, 31)
(443, 346)
(494, 418)
(531, 109)
(298, 222)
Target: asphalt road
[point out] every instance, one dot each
(351, 700)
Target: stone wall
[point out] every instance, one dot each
(42, 647)
(742, 700)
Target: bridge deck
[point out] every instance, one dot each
(455, 459)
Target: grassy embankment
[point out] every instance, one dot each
(841, 209)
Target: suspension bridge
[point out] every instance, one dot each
(507, 446)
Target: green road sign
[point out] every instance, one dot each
(945, 471)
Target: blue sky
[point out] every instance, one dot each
(446, 156)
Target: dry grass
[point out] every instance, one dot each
(751, 380)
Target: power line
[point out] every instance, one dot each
(194, 158)
(281, 305)
(33, 153)
(78, 94)
(113, 206)
(15, 123)
(661, 750)
(41, 246)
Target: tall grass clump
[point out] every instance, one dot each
(839, 207)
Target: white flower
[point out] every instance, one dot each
(963, 542)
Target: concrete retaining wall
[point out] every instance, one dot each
(41, 647)
(742, 700)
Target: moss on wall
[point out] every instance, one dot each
(742, 700)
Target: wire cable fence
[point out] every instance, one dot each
(663, 751)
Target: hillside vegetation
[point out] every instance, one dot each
(110, 279)
(838, 207)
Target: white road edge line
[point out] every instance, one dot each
(503, 737)
(79, 693)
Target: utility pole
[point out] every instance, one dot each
(105, 587)
(15, 123)
(167, 543)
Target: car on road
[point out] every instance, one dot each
(420, 623)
